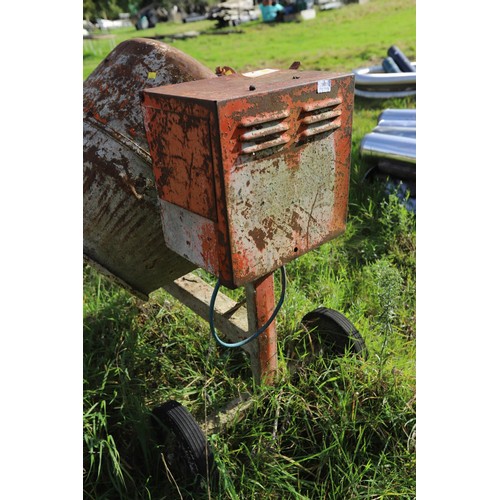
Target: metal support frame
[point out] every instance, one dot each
(237, 320)
(260, 306)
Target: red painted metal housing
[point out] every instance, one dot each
(251, 170)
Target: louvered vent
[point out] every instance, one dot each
(264, 131)
(320, 116)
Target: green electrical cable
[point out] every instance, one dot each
(260, 330)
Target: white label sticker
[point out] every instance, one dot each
(260, 72)
(324, 86)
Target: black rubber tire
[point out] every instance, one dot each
(192, 452)
(335, 329)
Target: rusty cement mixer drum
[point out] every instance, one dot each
(122, 230)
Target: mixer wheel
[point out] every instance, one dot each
(335, 332)
(186, 450)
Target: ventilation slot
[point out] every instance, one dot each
(264, 131)
(320, 116)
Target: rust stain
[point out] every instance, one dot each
(209, 248)
(259, 237)
(113, 90)
(224, 71)
(241, 266)
(294, 223)
(99, 118)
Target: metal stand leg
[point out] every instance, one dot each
(237, 320)
(260, 306)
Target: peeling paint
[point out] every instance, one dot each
(271, 170)
(122, 229)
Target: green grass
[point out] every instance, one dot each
(340, 39)
(341, 428)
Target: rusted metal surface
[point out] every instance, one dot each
(122, 230)
(224, 70)
(252, 172)
(260, 306)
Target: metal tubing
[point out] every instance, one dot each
(390, 65)
(410, 132)
(400, 59)
(376, 76)
(398, 123)
(375, 146)
(370, 94)
(398, 114)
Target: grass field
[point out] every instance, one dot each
(344, 428)
(340, 39)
